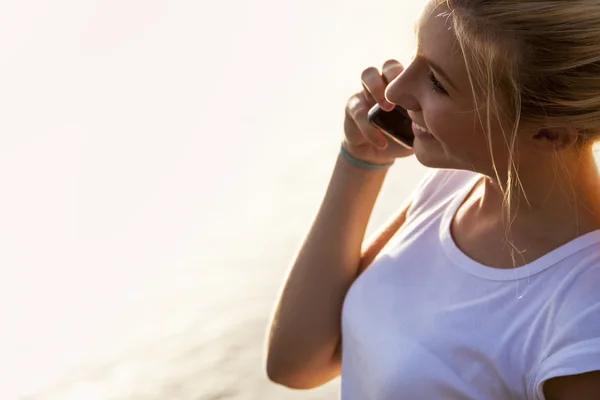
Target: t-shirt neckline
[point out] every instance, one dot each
(473, 267)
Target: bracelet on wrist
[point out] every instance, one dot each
(363, 164)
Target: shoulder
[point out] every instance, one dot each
(438, 186)
(570, 364)
(574, 300)
(577, 292)
(449, 178)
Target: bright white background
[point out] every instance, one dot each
(160, 162)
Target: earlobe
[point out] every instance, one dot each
(545, 134)
(556, 138)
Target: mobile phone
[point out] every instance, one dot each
(396, 124)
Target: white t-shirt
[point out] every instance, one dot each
(425, 321)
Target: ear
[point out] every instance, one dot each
(553, 139)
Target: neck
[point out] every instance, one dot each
(546, 196)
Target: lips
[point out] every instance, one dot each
(417, 125)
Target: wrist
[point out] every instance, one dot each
(363, 163)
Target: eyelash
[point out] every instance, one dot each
(436, 86)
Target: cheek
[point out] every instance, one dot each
(458, 134)
(448, 127)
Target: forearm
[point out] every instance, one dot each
(305, 328)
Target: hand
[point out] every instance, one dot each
(362, 139)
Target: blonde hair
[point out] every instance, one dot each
(531, 62)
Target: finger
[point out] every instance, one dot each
(375, 85)
(373, 134)
(370, 132)
(369, 99)
(390, 70)
(353, 106)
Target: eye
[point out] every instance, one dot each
(436, 86)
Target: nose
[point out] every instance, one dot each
(402, 91)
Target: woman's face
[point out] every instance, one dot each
(435, 90)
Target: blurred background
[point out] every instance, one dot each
(160, 164)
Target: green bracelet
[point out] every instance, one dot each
(363, 164)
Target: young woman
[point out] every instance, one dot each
(491, 287)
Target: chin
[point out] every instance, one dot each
(429, 156)
(436, 157)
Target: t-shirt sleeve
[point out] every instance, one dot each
(574, 348)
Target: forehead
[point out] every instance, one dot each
(434, 22)
(436, 41)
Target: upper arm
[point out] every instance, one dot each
(573, 387)
(337, 356)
